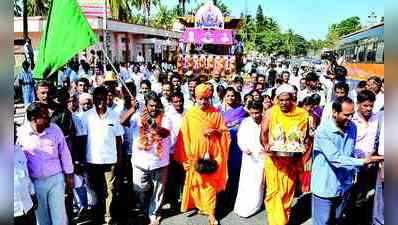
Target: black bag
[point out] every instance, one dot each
(206, 165)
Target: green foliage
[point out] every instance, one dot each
(38, 7)
(17, 8)
(337, 30)
(164, 18)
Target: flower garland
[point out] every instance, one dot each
(149, 137)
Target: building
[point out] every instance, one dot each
(124, 40)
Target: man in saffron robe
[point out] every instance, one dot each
(284, 128)
(203, 130)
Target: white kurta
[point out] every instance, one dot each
(251, 182)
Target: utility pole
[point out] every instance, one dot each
(372, 18)
(25, 18)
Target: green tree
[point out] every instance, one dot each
(17, 8)
(337, 30)
(38, 7)
(260, 20)
(164, 18)
(121, 9)
(183, 4)
(145, 6)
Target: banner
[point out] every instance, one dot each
(208, 36)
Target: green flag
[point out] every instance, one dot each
(67, 33)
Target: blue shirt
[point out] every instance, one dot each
(334, 166)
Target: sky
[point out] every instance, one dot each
(309, 18)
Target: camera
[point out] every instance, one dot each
(152, 123)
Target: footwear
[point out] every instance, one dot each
(213, 221)
(156, 221)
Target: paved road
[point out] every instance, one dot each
(190, 218)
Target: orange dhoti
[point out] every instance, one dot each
(200, 190)
(281, 176)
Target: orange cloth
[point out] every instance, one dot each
(200, 189)
(281, 173)
(203, 90)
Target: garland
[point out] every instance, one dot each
(149, 137)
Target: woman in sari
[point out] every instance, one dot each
(233, 112)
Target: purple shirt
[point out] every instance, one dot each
(47, 153)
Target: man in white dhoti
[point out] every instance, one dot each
(251, 183)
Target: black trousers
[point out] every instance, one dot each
(28, 219)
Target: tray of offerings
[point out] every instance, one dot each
(287, 150)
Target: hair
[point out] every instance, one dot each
(25, 64)
(167, 83)
(238, 80)
(154, 97)
(285, 72)
(246, 96)
(377, 80)
(229, 89)
(361, 84)
(35, 110)
(147, 82)
(84, 80)
(174, 76)
(366, 95)
(307, 101)
(177, 94)
(220, 89)
(43, 83)
(311, 76)
(101, 90)
(108, 67)
(260, 75)
(255, 105)
(131, 87)
(337, 104)
(317, 98)
(342, 85)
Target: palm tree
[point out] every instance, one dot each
(183, 5)
(121, 9)
(38, 7)
(145, 6)
(17, 8)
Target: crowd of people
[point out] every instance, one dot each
(100, 144)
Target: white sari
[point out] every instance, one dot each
(251, 183)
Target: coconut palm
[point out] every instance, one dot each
(145, 6)
(183, 5)
(38, 7)
(121, 9)
(17, 8)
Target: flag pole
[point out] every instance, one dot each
(117, 74)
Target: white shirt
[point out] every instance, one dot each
(366, 135)
(101, 136)
(173, 119)
(381, 134)
(147, 159)
(307, 92)
(215, 84)
(327, 112)
(249, 136)
(166, 104)
(379, 103)
(140, 58)
(23, 186)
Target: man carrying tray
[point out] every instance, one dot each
(284, 132)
